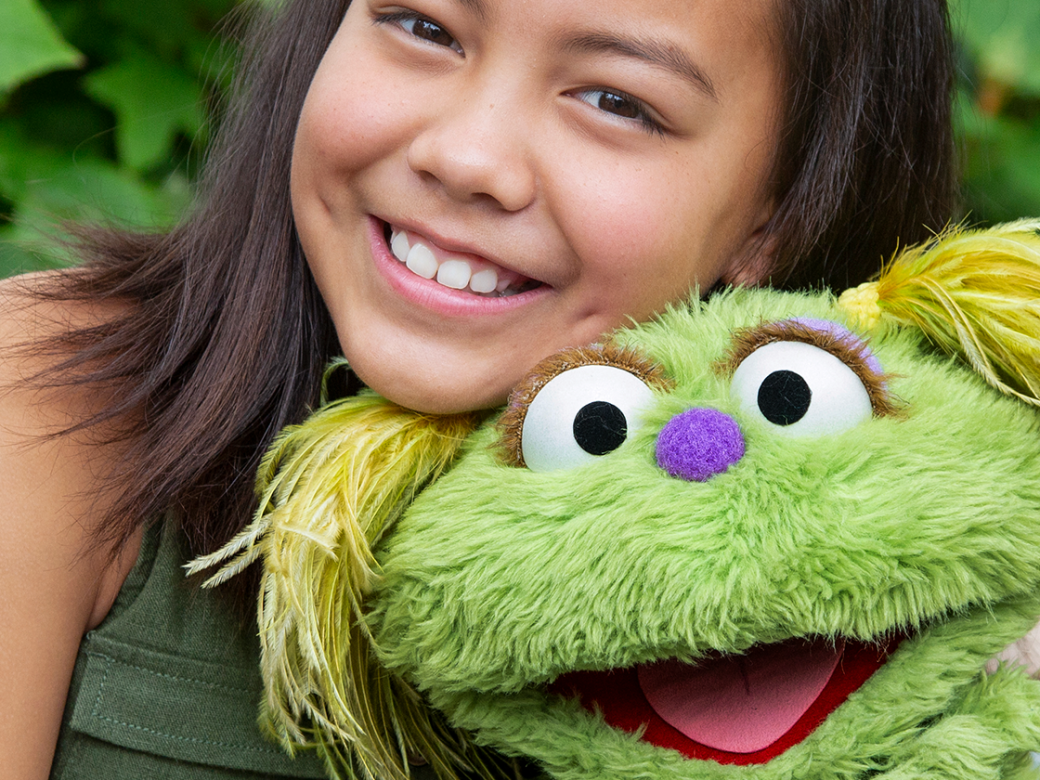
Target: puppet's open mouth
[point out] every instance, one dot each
(743, 709)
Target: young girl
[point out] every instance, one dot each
(446, 191)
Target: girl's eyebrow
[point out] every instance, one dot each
(658, 54)
(476, 7)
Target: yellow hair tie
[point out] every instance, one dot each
(972, 293)
(861, 303)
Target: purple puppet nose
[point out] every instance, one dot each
(698, 444)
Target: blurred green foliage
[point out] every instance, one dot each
(999, 107)
(104, 108)
(103, 114)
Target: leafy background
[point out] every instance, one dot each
(103, 114)
(105, 109)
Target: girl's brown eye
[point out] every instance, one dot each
(430, 31)
(620, 105)
(614, 103)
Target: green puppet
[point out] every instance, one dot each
(768, 535)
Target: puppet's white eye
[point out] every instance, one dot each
(580, 414)
(800, 388)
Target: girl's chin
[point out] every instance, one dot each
(451, 402)
(431, 388)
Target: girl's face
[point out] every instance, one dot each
(479, 183)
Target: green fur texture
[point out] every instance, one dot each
(498, 579)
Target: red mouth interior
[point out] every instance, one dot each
(740, 710)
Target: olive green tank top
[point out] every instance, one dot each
(168, 686)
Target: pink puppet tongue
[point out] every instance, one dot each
(741, 704)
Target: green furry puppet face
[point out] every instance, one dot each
(768, 536)
(796, 559)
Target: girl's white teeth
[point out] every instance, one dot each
(487, 281)
(399, 246)
(456, 273)
(421, 261)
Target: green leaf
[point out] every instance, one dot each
(30, 45)
(88, 191)
(153, 102)
(1001, 166)
(1002, 35)
(163, 27)
(21, 251)
(49, 187)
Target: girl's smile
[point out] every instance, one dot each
(442, 280)
(457, 270)
(478, 183)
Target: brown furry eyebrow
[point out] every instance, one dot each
(850, 350)
(511, 424)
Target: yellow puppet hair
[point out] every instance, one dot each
(329, 489)
(974, 293)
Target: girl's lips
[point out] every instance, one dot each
(431, 294)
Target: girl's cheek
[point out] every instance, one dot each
(341, 131)
(357, 109)
(623, 227)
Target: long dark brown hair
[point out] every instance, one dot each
(865, 161)
(224, 336)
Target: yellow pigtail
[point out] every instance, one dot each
(974, 293)
(329, 489)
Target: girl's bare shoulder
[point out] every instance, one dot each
(56, 582)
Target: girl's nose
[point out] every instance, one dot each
(698, 444)
(475, 150)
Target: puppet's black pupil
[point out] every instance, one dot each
(600, 427)
(784, 398)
